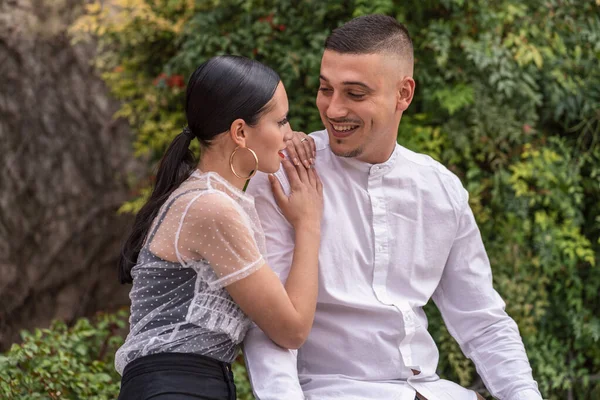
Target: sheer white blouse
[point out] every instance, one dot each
(206, 236)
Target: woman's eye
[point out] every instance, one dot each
(283, 122)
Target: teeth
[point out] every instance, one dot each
(341, 128)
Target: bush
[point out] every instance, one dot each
(76, 362)
(508, 97)
(63, 362)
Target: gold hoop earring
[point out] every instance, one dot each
(255, 161)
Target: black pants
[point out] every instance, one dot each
(177, 376)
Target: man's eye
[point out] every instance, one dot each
(324, 90)
(356, 95)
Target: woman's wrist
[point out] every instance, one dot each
(309, 227)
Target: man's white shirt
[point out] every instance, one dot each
(393, 236)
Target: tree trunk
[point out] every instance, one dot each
(64, 169)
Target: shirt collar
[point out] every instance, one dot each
(387, 166)
(373, 169)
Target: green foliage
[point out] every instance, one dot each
(508, 97)
(76, 362)
(63, 362)
(242, 384)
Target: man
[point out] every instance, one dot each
(397, 231)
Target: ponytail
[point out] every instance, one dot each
(221, 90)
(175, 167)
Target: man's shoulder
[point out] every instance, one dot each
(422, 161)
(257, 185)
(321, 140)
(431, 172)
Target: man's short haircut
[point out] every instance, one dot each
(372, 34)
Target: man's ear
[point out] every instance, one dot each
(405, 93)
(238, 133)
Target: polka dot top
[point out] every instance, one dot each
(206, 236)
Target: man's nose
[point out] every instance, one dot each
(337, 108)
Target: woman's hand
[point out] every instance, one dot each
(285, 312)
(301, 148)
(303, 208)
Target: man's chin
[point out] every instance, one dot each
(344, 151)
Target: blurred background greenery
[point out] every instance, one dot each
(508, 97)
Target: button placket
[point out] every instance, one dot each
(381, 261)
(379, 232)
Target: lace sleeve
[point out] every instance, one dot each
(214, 228)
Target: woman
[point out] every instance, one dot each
(195, 254)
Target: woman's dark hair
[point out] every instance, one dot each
(220, 91)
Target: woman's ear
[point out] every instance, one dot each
(238, 133)
(405, 93)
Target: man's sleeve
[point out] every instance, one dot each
(272, 370)
(474, 314)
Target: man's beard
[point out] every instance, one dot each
(347, 154)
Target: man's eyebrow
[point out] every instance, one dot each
(355, 83)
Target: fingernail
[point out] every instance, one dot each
(296, 161)
(312, 161)
(306, 164)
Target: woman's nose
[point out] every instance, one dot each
(288, 134)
